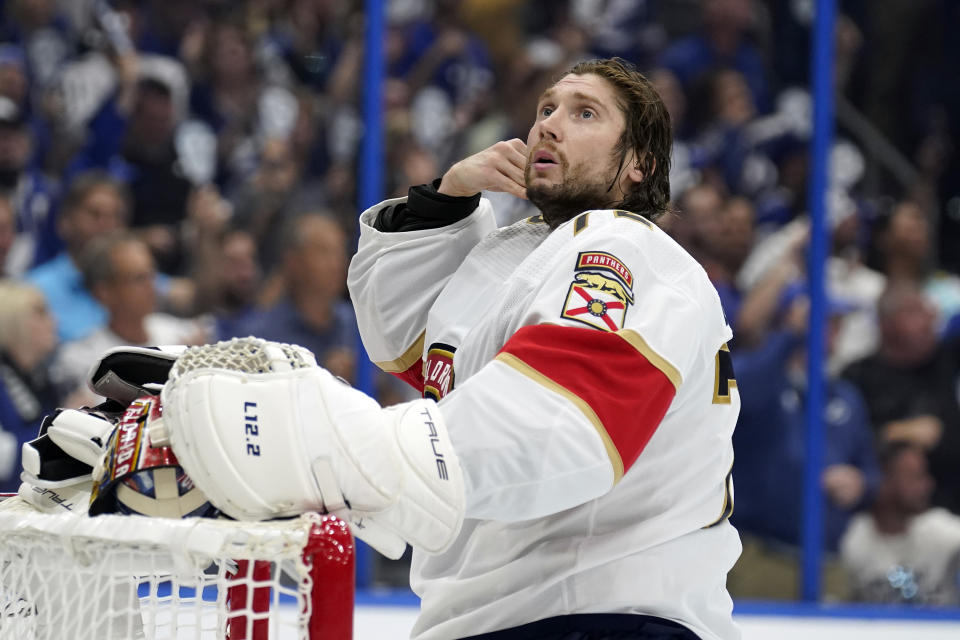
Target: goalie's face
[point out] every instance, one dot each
(574, 161)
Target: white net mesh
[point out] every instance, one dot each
(250, 355)
(129, 577)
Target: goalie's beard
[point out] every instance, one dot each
(559, 203)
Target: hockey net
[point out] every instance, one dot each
(119, 577)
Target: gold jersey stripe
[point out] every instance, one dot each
(409, 358)
(638, 343)
(519, 365)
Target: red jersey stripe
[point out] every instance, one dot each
(409, 366)
(615, 379)
(412, 376)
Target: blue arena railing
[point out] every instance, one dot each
(821, 73)
(370, 192)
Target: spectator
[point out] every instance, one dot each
(721, 117)
(780, 258)
(310, 37)
(8, 233)
(718, 232)
(697, 213)
(264, 201)
(119, 270)
(229, 285)
(910, 385)
(441, 53)
(902, 551)
(139, 134)
(313, 313)
(729, 249)
(624, 29)
(94, 204)
(233, 97)
(683, 175)
(904, 242)
(848, 277)
(674, 99)
(763, 299)
(32, 194)
(770, 452)
(27, 339)
(16, 86)
(724, 40)
(39, 29)
(160, 26)
(14, 82)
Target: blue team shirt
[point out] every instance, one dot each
(769, 444)
(75, 309)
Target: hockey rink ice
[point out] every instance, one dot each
(373, 622)
(394, 622)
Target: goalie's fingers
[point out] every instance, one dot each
(518, 153)
(507, 183)
(513, 173)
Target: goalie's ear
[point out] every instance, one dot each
(127, 373)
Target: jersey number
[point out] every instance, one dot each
(581, 221)
(722, 383)
(723, 377)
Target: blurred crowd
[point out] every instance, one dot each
(184, 171)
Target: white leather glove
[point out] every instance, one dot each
(264, 432)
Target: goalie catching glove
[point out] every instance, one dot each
(264, 432)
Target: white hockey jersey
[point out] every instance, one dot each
(587, 389)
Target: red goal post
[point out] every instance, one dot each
(130, 577)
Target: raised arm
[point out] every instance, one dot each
(409, 247)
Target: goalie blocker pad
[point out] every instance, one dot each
(267, 445)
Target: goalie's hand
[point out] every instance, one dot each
(58, 465)
(264, 432)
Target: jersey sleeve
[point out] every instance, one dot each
(394, 279)
(584, 381)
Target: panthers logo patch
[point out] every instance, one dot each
(601, 292)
